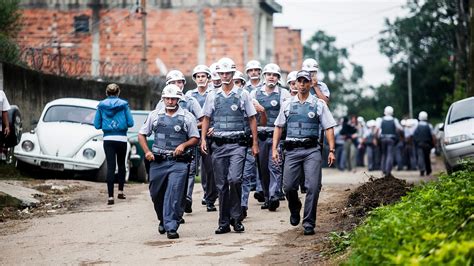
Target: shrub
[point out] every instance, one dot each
(432, 225)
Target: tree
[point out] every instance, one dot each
(9, 27)
(434, 35)
(341, 75)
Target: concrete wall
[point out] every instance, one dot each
(31, 90)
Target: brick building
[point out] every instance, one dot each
(179, 33)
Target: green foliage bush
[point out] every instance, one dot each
(432, 225)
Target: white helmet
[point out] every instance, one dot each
(371, 123)
(253, 64)
(201, 69)
(310, 65)
(214, 74)
(239, 75)
(291, 77)
(225, 64)
(174, 75)
(388, 111)
(272, 68)
(423, 116)
(171, 91)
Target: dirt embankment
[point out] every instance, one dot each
(346, 209)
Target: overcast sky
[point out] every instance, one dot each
(355, 24)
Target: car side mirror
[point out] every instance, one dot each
(34, 123)
(441, 127)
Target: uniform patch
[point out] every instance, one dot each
(233, 107)
(311, 114)
(177, 128)
(274, 103)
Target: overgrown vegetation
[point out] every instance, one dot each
(10, 17)
(432, 225)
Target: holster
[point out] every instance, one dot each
(264, 135)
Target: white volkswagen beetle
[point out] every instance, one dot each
(65, 140)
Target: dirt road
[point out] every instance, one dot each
(126, 233)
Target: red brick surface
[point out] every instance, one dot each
(288, 48)
(172, 36)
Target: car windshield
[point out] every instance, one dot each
(138, 121)
(68, 113)
(462, 111)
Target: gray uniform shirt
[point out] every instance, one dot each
(190, 125)
(245, 105)
(325, 116)
(4, 106)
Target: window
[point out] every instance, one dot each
(81, 23)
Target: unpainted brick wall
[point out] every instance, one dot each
(172, 36)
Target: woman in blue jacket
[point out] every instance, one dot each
(114, 118)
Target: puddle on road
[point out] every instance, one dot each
(217, 254)
(99, 262)
(208, 244)
(159, 243)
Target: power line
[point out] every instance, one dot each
(110, 8)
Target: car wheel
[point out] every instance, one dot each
(449, 169)
(22, 166)
(128, 164)
(14, 117)
(141, 174)
(101, 174)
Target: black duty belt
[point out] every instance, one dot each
(185, 157)
(242, 140)
(264, 135)
(306, 143)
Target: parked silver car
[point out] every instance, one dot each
(458, 130)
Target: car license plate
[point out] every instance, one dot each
(52, 166)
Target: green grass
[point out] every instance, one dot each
(432, 225)
(9, 172)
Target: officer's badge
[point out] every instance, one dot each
(234, 107)
(177, 128)
(274, 103)
(311, 114)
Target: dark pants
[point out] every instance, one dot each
(424, 162)
(115, 152)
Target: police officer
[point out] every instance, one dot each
(202, 76)
(189, 103)
(239, 79)
(291, 81)
(215, 78)
(388, 129)
(410, 149)
(302, 116)
(370, 142)
(270, 97)
(175, 133)
(318, 88)
(253, 69)
(228, 107)
(424, 140)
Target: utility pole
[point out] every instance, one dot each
(144, 71)
(471, 50)
(95, 32)
(410, 100)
